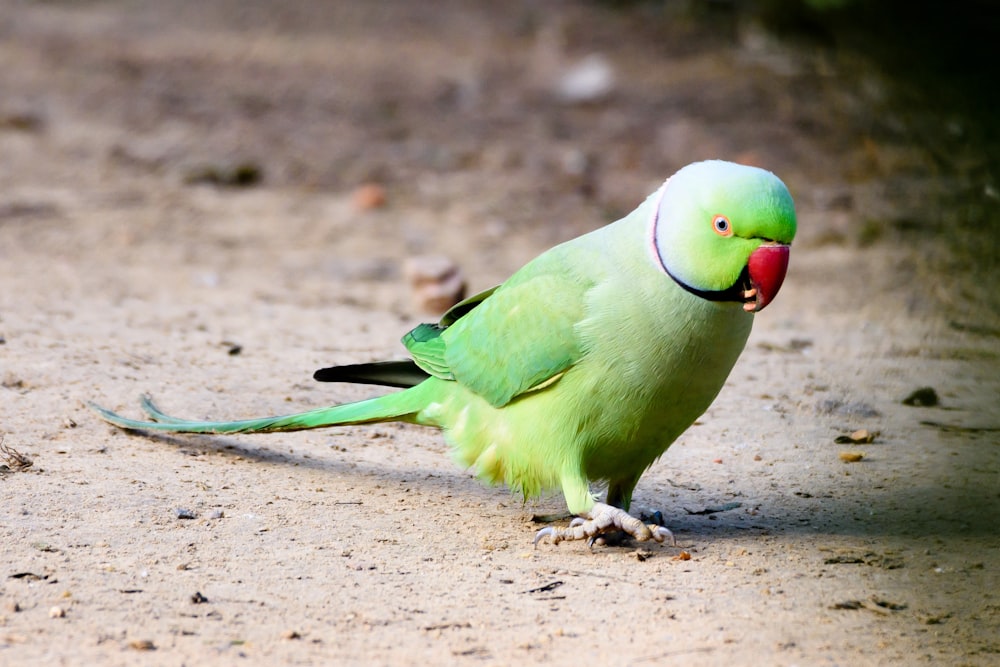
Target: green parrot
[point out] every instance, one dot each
(587, 363)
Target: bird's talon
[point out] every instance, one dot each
(605, 525)
(549, 532)
(661, 533)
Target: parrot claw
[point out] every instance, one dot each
(661, 533)
(602, 520)
(549, 532)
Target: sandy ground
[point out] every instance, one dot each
(122, 271)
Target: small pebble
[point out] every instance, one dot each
(142, 645)
(851, 457)
(185, 513)
(590, 80)
(216, 514)
(368, 196)
(232, 349)
(22, 120)
(290, 634)
(242, 175)
(861, 436)
(57, 612)
(923, 397)
(436, 281)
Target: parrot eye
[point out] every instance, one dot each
(722, 226)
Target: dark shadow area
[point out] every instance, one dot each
(930, 510)
(937, 62)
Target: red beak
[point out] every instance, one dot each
(767, 267)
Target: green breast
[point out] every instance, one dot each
(669, 357)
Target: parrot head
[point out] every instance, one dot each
(722, 232)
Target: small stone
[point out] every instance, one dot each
(851, 457)
(241, 175)
(216, 514)
(185, 513)
(57, 612)
(232, 349)
(291, 634)
(22, 120)
(861, 436)
(368, 196)
(198, 598)
(142, 645)
(590, 80)
(436, 281)
(923, 397)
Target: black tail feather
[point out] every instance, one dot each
(387, 373)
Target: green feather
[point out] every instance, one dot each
(428, 350)
(400, 406)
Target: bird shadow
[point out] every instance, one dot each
(443, 481)
(913, 511)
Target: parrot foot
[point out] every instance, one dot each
(603, 520)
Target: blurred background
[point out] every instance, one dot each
(526, 120)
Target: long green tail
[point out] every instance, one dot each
(399, 406)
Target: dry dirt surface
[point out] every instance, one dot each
(178, 216)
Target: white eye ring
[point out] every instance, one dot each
(720, 224)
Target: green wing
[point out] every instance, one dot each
(424, 343)
(508, 340)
